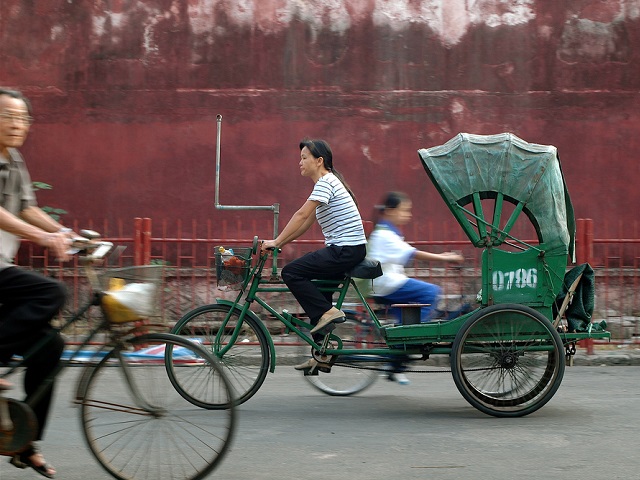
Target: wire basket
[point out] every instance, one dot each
(232, 265)
(131, 293)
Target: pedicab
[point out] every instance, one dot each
(507, 356)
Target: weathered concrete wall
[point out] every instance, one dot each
(126, 93)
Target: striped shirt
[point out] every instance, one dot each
(337, 213)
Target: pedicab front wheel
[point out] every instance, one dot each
(241, 347)
(507, 360)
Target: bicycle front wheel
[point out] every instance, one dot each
(138, 426)
(242, 350)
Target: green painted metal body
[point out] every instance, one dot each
(471, 170)
(529, 278)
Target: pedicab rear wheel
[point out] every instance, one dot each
(507, 360)
(355, 372)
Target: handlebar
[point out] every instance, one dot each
(91, 249)
(257, 246)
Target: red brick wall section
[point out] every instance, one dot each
(126, 93)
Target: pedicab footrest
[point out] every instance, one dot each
(418, 334)
(410, 313)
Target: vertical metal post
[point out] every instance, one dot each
(137, 241)
(141, 241)
(146, 241)
(588, 240)
(218, 135)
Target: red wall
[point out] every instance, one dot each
(126, 93)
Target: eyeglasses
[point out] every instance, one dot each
(21, 119)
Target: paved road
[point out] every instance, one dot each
(589, 431)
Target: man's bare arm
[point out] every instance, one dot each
(58, 242)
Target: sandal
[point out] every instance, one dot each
(24, 460)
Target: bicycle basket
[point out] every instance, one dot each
(232, 265)
(131, 293)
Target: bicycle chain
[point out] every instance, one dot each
(382, 369)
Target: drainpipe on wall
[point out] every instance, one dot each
(275, 208)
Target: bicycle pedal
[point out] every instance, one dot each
(313, 371)
(323, 368)
(327, 329)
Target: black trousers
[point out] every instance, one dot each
(28, 303)
(328, 263)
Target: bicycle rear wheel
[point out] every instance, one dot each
(138, 426)
(22, 427)
(355, 372)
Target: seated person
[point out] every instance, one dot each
(387, 245)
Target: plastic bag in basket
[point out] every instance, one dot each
(128, 302)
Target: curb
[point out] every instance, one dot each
(607, 359)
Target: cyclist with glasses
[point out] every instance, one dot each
(28, 301)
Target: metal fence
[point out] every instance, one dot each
(186, 250)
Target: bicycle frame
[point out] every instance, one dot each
(94, 301)
(120, 407)
(255, 284)
(435, 337)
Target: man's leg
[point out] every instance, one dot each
(28, 302)
(40, 363)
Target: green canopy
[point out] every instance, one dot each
(524, 173)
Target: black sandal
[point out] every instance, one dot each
(23, 460)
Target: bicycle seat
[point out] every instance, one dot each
(368, 269)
